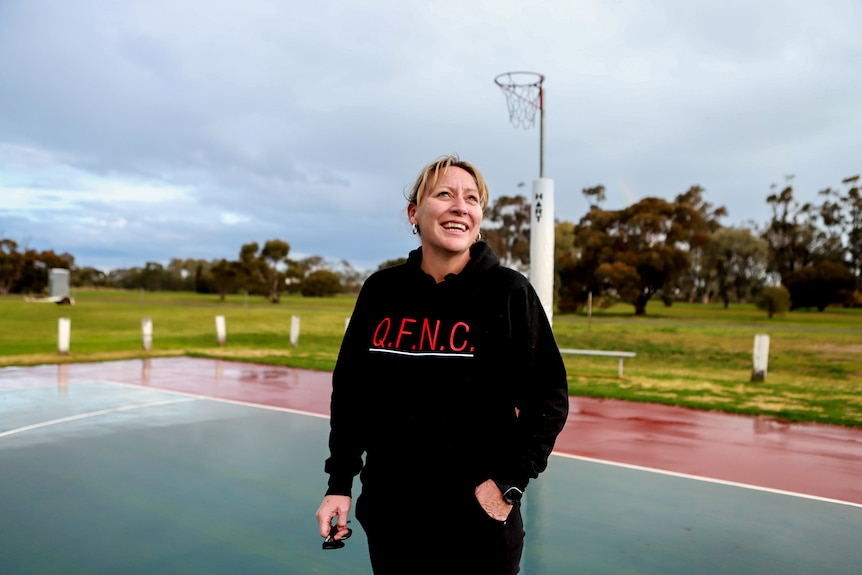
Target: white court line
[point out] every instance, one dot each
(187, 396)
(708, 479)
(567, 455)
(219, 399)
(92, 414)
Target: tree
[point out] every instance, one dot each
(27, 271)
(11, 262)
(842, 216)
(351, 278)
(774, 299)
(737, 260)
(275, 252)
(696, 220)
(569, 295)
(506, 229)
(632, 253)
(186, 275)
(175, 275)
(790, 233)
(251, 269)
(293, 276)
(33, 274)
(820, 285)
(392, 263)
(154, 277)
(125, 278)
(225, 276)
(88, 277)
(37, 266)
(853, 203)
(595, 196)
(322, 283)
(203, 281)
(298, 270)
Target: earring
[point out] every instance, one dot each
(415, 230)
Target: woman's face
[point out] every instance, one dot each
(449, 214)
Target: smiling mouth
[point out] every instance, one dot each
(455, 227)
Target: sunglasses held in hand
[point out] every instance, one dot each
(331, 543)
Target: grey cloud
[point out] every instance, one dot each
(306, 121)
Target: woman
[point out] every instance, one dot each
(450, 383)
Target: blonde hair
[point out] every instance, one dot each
(428, 179)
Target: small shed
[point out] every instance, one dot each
(58, 282)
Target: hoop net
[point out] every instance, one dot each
(523, 91)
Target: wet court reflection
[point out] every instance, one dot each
(824, 461)
(145, 480)
(62, 379)
(146, 371)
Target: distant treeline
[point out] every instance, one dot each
(806, 256)
(265, 271)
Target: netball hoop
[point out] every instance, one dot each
(523, 91)
(524, 97)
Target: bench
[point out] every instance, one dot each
(618, 354)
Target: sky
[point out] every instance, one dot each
(147, 130)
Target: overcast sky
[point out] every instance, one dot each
(135, 131)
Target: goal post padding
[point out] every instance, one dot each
(542, 243)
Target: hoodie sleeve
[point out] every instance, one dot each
(541, 389)
(346, 427)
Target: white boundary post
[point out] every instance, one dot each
(294, 330)
(64, 334)
(760, 357)
(147, 333)
(221, 330)
(542, 244)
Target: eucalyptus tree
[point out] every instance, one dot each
(506, 228)
(274, 253)
(259, 267)
(696, 221)
(841, 213)
(736, 261)
(790, 234)
(636, 252)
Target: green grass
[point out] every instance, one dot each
(693, 355)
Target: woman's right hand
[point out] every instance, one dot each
(334, 506)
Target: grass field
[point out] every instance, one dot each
(693, 355)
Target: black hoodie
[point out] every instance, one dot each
(445, 384)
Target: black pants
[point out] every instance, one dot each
(444, 537)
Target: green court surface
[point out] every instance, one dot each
(104, 478)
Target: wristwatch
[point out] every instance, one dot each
(511, 494)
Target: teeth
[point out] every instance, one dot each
(451, 226)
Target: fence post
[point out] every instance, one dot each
(147, 333)
(294, 330)
(221, 330)
(760, 358)
(64, 334)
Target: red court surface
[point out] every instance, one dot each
(814, 460)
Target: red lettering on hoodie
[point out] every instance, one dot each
(380, 340)
(432, 339)
(452, 345)
(403, 331)
(425, 340)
